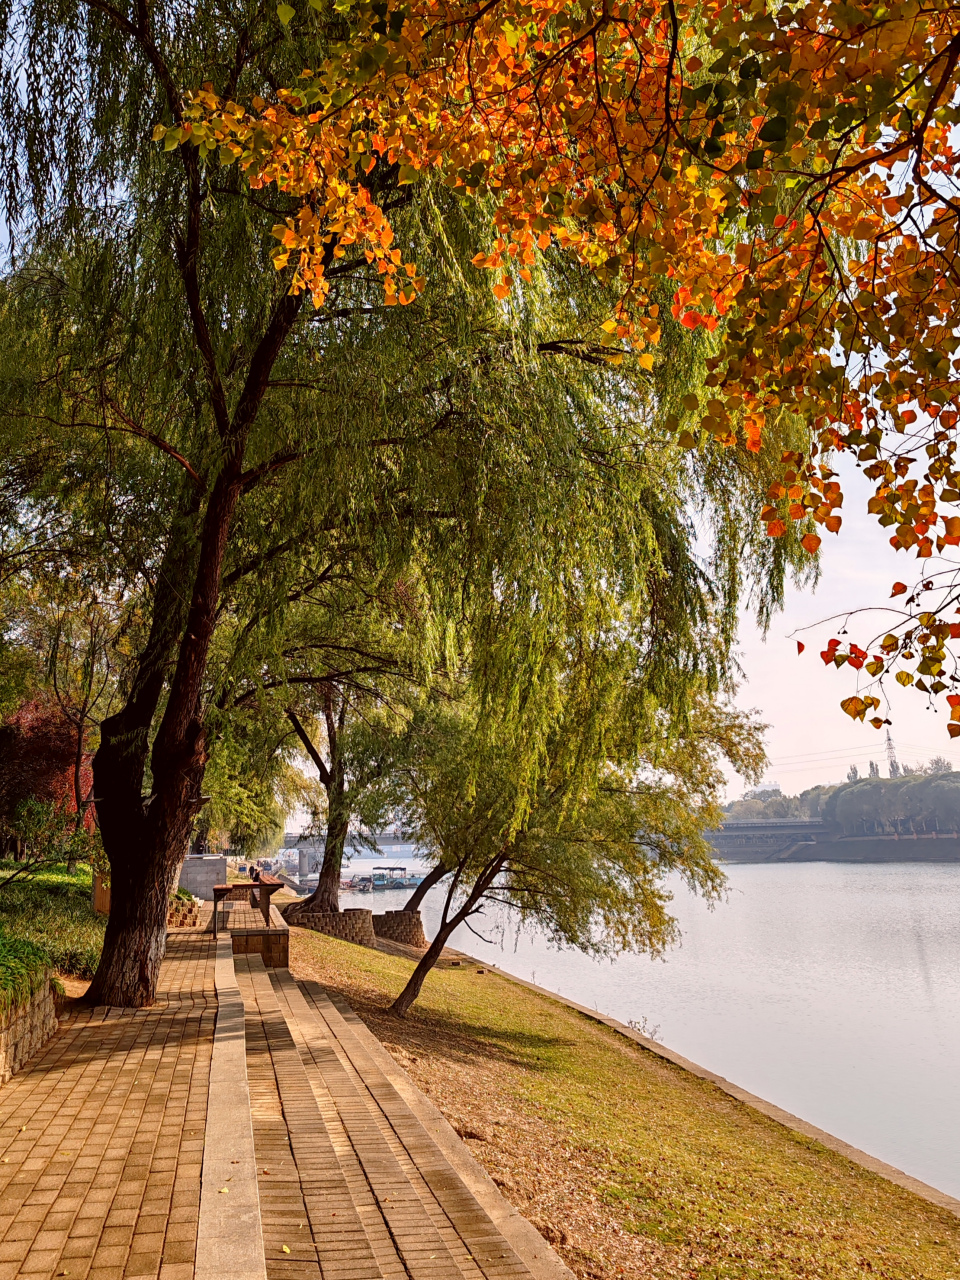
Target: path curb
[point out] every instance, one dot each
(229, 1235)
(522, 1236)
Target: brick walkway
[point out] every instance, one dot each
(135, 1144)
(101, 1136)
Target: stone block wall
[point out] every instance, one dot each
(199, 875)
(401, 926)
(273, 945)
(352, 925)
(183, 915)
(24, 1029)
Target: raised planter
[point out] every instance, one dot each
(25, 1029)
(353, 925)
(401, 926)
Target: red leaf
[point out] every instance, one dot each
(801, 646)
(898, 589)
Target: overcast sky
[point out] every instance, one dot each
(810, 740)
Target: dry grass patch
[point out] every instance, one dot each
(628, 1165)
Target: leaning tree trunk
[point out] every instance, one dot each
(447, 925)
(433, 877)
(141, 881)
(146, 837)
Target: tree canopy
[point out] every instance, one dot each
(782, 178)
(216, 453)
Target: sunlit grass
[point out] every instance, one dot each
(632, 1166)
(52, 911)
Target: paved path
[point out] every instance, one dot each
(240, 1129)
(101, 1136)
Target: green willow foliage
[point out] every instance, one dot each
(485, 453)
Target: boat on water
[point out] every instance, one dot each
(381, 879)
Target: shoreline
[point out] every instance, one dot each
(832, 1143)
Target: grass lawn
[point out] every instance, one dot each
(630, 1166)
(52, 911)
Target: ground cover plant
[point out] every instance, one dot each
(52, 914)
(630, 1166)
(23, 970)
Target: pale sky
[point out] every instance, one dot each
(810, 740)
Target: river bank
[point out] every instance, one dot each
(628, 1164)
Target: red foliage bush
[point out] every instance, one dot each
(38, 744)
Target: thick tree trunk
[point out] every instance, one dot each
(432, 878)
(146, 837)
(135, 940)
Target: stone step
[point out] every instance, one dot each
(311, 1225)
(390, 1140)
(427, 1246)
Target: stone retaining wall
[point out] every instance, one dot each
(24, 1029)
(401, 926)
(183, 915)
(352, 925)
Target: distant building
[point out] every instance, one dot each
(765, 791)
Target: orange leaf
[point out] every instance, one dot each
(898, 589)
(810, 542)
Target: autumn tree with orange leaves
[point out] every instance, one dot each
(789, 172)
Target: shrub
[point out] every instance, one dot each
(23, 970)
(51, 910)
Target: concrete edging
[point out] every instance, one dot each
(522, 1236)
(940, 1198)
(229, 1234)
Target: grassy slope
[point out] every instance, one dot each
(53, 911)
(628, 1164)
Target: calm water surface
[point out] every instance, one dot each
(832, 991)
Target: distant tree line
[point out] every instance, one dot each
(922, 800)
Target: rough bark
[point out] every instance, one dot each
(433, 877)
(326, 896)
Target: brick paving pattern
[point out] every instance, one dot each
(101, 1136)
(102, 1143)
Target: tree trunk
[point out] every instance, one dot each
(140, 886)
(432, 878)
(146, 838)
(77, 791)
(447, 925)
(326, 896)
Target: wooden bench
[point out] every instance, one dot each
(268, 886)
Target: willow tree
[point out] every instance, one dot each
(174, 412)
(625, 794)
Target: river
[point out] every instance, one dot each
(831, 990)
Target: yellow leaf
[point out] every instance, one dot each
(904, 677)
(284, 1248)
(646, 361)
